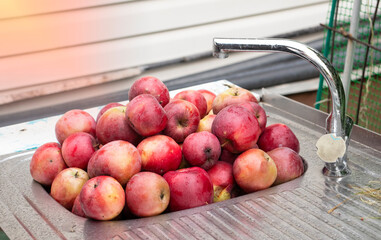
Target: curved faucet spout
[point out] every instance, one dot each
(337, 122)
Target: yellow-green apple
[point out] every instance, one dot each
(77, 209)
(196, 98)
(159, 154)
(72, 121)
(278, 135)
(145, 115)
(102, 198)
(236, 128)
(147, 194)
(118, 159)
(232, 95)
(254, 170)
(258, 112)
(107, 107)
(183, 119)
(67, 185)
(206, 123)
(78, 148)
(222, 178)
(46, 163)
(189, 187)
(288, 162)
(150, 85)
(113, 125)
(202, 149)
(209, 97)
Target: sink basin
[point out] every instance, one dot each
(311, 206)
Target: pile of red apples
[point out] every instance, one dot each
(157, 155)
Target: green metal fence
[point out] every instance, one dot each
(364, 102)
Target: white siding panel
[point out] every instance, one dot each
(22, 8)
(65, 63)
(116, 21)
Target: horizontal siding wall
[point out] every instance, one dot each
(58, 40)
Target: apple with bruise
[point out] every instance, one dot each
(254, 170)
(67, 185)
(102, 198)
(73, 121)
(288, 162)
(46, 163)
(201, 149)
(278, 135)
(147, 194)
(118, 159)
(159, 154)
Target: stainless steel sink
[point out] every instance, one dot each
(300, 209)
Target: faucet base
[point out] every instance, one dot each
(336, 173)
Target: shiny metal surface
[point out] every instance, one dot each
(309, 207)
(337, 122)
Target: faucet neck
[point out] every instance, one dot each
(337, 122)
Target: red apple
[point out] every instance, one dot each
(150, 85)
(206, 123)
(196, 98)
(254, 170)
(278, 135)
(183, 119)
(72, 121)
(113, 125)
(236, 128)
(67, 185)
(201, 149)
(189, 187)
(147, 194)
(233, 95)
(102, 198)
(145, 115)
(46, 163)
(209, 97)
(77, 209)
(118, 159)
(78, 148)
(159, 154)
(227, 156)
(258, 112)
(107, 107)
(288, 162)
(222, 178)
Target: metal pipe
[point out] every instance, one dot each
(327, 49)
(337, 123)
(350, 48)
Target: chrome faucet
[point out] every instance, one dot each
(337, 122)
